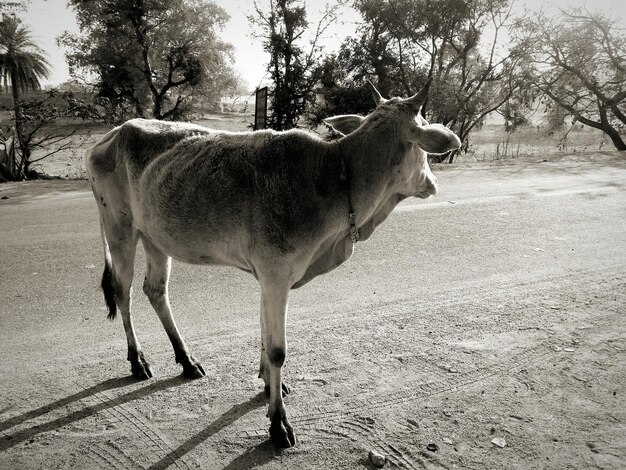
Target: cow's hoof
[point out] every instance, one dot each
(284, 387)
(193, 369)
(141, 369)
(282, 434)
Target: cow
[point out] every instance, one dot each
(283, 206)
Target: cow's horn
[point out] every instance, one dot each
(378, 98)
(419, 98)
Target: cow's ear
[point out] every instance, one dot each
(345, 123)
(435, 138)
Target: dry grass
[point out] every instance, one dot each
(491, 142)
(488, 144)
(69, 163)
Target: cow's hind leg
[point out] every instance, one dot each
(273, 315)
(155, 287)
(123, 259)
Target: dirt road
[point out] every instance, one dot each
(494, 311)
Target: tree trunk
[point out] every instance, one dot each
(158, 108)
(605, 127)
(26, 163)
(609, 130)
(618, 142)
(17, 142)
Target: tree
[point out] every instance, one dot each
(578, 62)
(294, 72)
(12, 6)
(22, 62)
(150, 56)
(48, 122)
(403, 42)
(22, 66)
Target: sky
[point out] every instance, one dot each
(48, 19)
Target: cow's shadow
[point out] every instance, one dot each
(253, 457)
(14, 439)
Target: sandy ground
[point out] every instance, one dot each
(494, 311)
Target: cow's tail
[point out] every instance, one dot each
(108, 279)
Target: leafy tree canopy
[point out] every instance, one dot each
(22, 62)
(13, 6)
(577, 61)
(293, 66)
(403, 42)
(150, 57)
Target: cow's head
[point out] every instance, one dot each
(415, 133)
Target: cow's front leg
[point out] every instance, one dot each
(273, 316)
(264, 369)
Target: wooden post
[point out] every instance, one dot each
(260, 109)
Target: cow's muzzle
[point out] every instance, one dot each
(430, 187)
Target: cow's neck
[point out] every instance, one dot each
(346, 175)
(371, 169)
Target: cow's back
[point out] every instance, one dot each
(134, 144)
(138, 141)
(221, 188)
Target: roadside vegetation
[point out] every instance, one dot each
(509, 83)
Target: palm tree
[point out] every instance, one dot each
(22, 65)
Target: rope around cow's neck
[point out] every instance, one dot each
(355, 236)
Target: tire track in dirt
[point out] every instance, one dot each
(150, 434)
(484, 294)
(415, 391)
(344, 420)
(148, 445)
(362, 429)
(143, 443)
(104, 458)
(88, 404)
(138, 444)
(404, 306)
(354, 433)
(418, 390)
